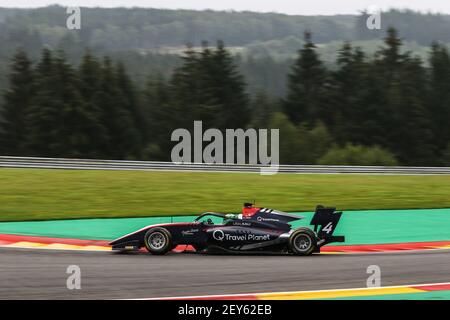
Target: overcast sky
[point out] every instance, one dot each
(302, 7)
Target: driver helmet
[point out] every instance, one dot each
(249, 210)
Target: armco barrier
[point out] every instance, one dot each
(94, 164)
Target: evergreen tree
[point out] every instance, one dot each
(160, 118)
(306, 100)
(90, 76)
(438, 102)
(401, 102)
(384, 95)
(60, 123)
(16, 104)
(43, 114)
(227, 89)
(186, 91)
(349, 96)
(131, 103)
(122, 134)
(412, 138)
(89, 73)
(77, 126)
(208, 87)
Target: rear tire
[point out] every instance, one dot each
(303, 242)
(158, 241)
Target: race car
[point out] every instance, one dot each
(254, 230)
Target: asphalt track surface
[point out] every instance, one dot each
(41, 274)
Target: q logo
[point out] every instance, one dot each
(218, 235)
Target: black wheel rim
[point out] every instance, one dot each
(302, 243)
(156, 240)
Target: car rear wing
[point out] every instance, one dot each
(325, 221)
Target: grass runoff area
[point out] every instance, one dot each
(40, 194)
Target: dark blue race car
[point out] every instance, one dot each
(254, 230)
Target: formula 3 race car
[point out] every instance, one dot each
(256, 229)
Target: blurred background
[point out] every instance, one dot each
(116, 88)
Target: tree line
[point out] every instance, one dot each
(125, 28)
(264, 44)
(383, 110)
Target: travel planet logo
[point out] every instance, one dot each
(218, 235)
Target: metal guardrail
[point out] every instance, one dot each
(94, 164)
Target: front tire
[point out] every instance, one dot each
(158, 241)
(303, 242)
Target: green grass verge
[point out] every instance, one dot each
(35, 194)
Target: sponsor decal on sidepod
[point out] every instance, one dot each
(189, 232)
(219, 235)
